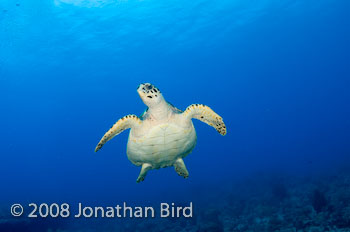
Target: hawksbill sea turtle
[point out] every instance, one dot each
(163, 135)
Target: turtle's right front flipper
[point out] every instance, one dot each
(122, 124)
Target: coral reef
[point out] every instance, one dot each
(265, 203)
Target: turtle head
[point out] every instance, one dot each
(150, 94)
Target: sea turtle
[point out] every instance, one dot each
(163, 135)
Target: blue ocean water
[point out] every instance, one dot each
(278, 72)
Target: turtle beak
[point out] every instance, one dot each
(140, 86)
(145, 87)
(141, 90)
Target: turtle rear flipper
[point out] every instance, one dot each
(180, 168)
(145, 168)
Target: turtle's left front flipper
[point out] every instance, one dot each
(122, 124)
(207, 115)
